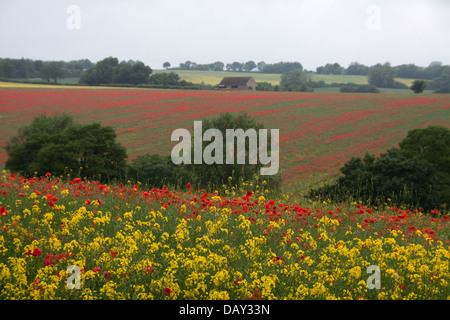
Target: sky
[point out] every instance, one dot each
(312, 32)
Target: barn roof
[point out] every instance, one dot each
(235, 81)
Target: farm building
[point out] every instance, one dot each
(239, 83)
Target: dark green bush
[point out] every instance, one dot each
(417, 173)
(58, 145)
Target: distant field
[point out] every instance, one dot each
(319, 132)
(214, 77)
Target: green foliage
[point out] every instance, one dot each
(53, 71)
(382, 76)
(433, 143)
(442, 81)
(356, 68)
(249, 65)
(417, 173)
(264, 86)
(296, 80)
(351, 87)
(154, 170)
(57, 145)
(418, 86)
(329, 68)
(442, 90)
(217, 174)
(110, 71)
(28, 68)
(165, 79)
(281, 67)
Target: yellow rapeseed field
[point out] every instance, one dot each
(80, 239)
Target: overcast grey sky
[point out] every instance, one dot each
(313, 32)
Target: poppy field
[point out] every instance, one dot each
(180, 242)
(319, 132)
(130, 243)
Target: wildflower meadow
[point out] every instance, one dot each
(127, 242)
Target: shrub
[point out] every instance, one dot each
(418, 86)
(154, 170)
(417, 173)
(58, 145)
(351, 87)
(216, 175)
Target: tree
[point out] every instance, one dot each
(249, 65)
(215, 175)
(165, 79)
(154, 171)
(109, 70)
(442, 80)
(186, 66)
(418, 86)
(52, 70)
(282, 67)
(166, 65)
(382, 76)
(417, 173)
(218, 66)
(356, 68)
(237, 66)
(59, 146)
(433, 143)
(410, 71)
(261, 66)
(330, 69)
(296, 80)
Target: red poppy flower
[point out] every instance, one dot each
(167, 291)
(148, 269)
(21, 194)
(3, 212)
(77, 180)
(96, 269)
(188, 185)
(113, 253)
(48, 260)
(88, 201)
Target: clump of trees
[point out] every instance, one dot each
(28, 68)
(329, 68)
(110, 71)
(417, 173)
(169, 80)
(382, 76)
(296, 80)
(58, 145)
(157, 170)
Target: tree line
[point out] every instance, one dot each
(110, 71)
(28, 68)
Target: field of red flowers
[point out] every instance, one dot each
(318, 131)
